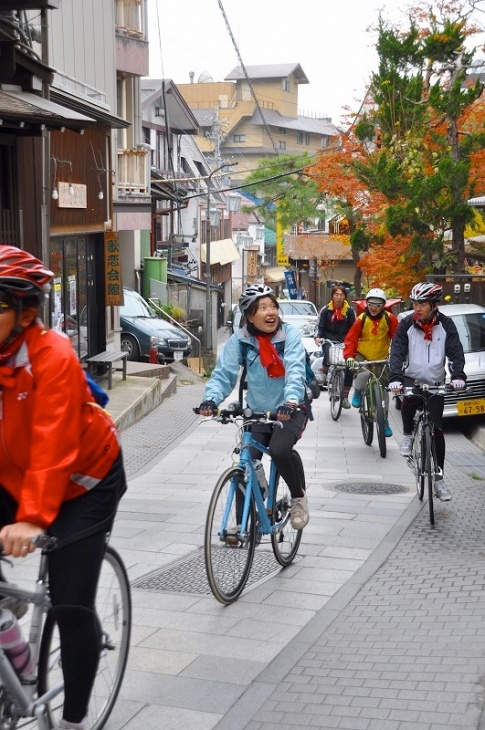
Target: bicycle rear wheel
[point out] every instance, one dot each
(286, 541)
(113, 608)
(228, 559)
(366, 421)
(336, 393)
(377, 398)
(429, 471)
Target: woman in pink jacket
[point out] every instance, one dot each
(61, 468)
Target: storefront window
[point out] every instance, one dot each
(69, 303)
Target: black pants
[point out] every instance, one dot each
(280, 442)
(81, 526)
(436, 405)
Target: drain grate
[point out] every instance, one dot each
(188, 575)
(370, 488)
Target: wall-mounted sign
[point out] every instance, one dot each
(281, 257)
(72, 195)
(112, 269)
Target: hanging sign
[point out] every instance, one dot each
(112, 270)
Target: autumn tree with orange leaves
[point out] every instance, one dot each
(415, 155)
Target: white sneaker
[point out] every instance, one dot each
(299, 512)
(406, 446)
(441, 491)
(345, 403)
(65, 725)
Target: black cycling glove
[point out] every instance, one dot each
(208, 405)
(288, 410)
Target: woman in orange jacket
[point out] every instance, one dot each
(369, 338)
(61, 468)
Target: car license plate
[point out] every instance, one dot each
(178, 355)
(471, 407)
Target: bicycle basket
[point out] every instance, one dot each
(336, 355)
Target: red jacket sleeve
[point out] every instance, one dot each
(393, 325)
(351, 341)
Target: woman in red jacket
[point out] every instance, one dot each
(61, 467)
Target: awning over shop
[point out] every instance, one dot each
(477, 202)
(275, 274)
(25, 110)
(222, 252)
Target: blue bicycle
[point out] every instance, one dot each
(241, 512)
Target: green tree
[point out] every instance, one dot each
(420, 131)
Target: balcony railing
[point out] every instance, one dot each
(133, 171)
(129, 18)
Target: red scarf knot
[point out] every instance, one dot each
(426, 327)
(269, 357)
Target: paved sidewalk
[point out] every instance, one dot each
(377, 624)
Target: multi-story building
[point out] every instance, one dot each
(75, 185)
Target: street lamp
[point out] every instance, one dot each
(213, 220)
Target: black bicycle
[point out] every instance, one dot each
(422, 461)
(335, 378)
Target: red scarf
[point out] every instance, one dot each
(426, 327)
(7, 377)
(338, 314)
(269, 357)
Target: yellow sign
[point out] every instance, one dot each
(112, 269)
(281, 257)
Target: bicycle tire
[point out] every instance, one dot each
(429, 471)
(228, 563)
(366, 421)
(377, 397)
(285, 542)
(419, 452)
(113, 608)
(336, 393)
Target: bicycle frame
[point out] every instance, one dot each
(22, 692)
(246, 463)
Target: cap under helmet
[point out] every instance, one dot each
(22, 275)
(252, 293)
(376, 294)
(426, 291)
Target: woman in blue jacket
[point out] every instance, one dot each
(274, 356)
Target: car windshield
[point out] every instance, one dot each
(298, 308)
(471, 329)
(135, 306)
(307, 328)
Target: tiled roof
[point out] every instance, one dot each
(301, 124)
(269, 71)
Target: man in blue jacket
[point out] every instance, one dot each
(419, 350)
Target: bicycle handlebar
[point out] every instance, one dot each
(420, 388)
(234, 410)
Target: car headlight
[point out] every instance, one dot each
(158, 341)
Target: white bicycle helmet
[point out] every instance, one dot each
(376, 294)
(426, 291)
(252, 293)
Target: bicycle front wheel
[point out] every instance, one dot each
(336, 393)
(419, 457)
(286, 541)
(113, 609)
(429, 471)
(228, 558)
(366, 422)
(377, 398)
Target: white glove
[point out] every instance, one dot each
(458, 384)
(396, 385)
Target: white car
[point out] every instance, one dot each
(470, 323)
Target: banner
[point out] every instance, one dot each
(112, 262)
(281, 257)
(291, 284)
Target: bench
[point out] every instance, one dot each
(109, 358)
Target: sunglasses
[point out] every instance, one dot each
(375, 303)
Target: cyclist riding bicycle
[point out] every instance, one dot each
(422, 343)
(334, 321)
(61, 468)
(369, 339)
(274, 383)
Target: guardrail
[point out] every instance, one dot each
(165, 314)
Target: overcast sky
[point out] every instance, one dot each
(327, 38)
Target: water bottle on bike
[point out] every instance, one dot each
(14, 644)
